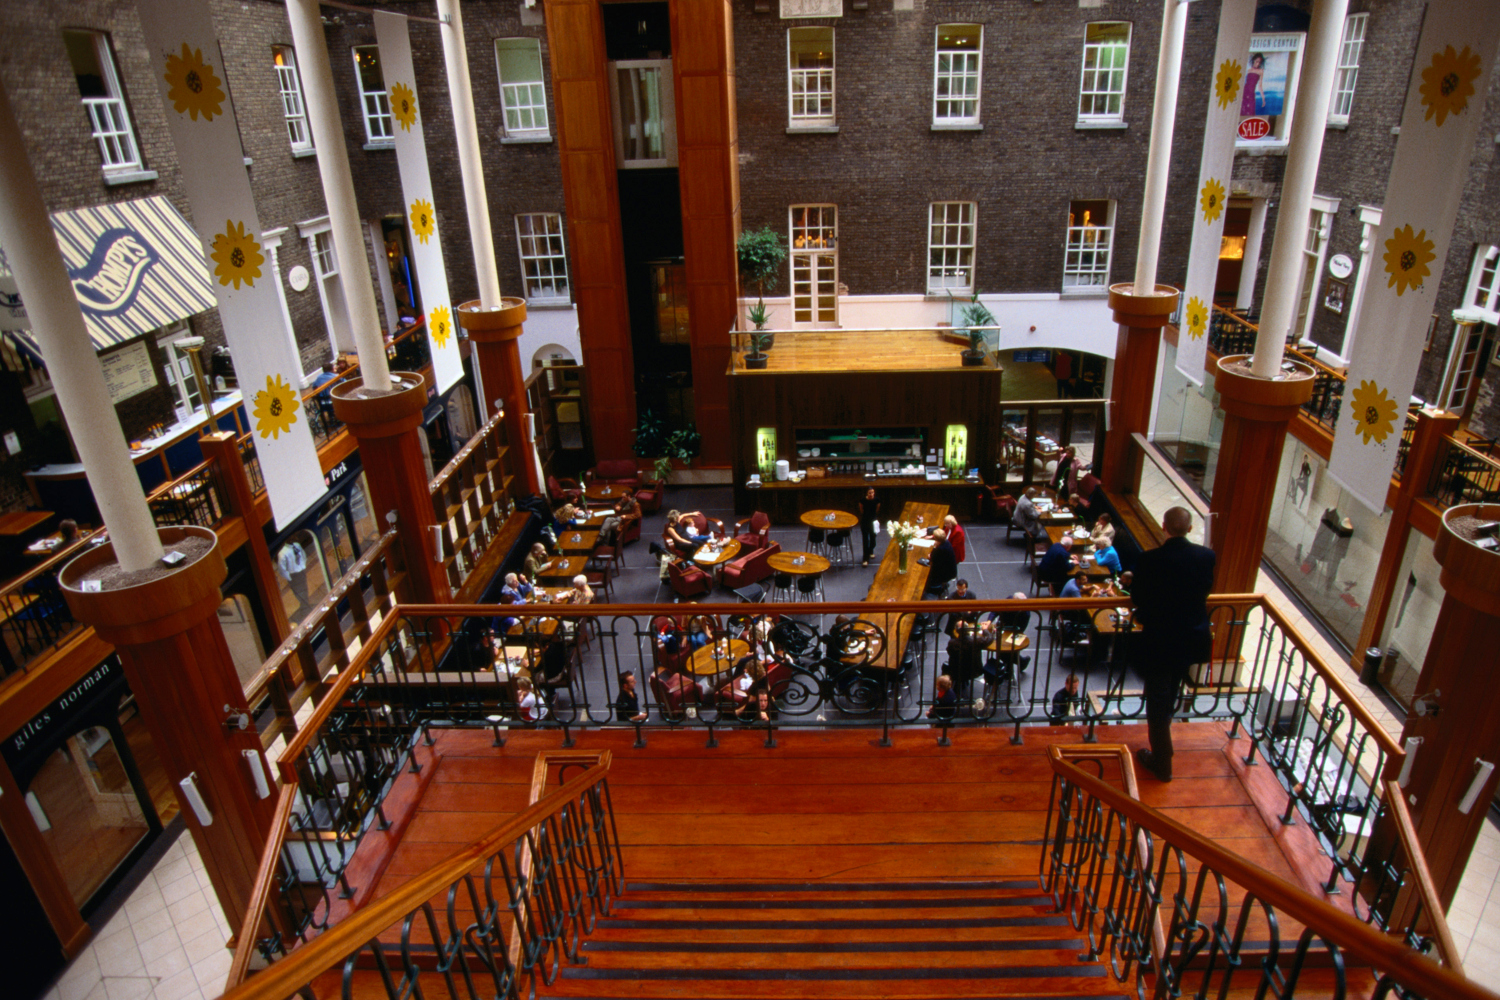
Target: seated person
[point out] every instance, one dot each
(943, 565)
(966, 651)
(1064, 701)
(1076, 585)
(625, 509)
(1103, 533)
(1028, 518)
(537, 562)
(533, 709)
(961, 592)
(680, 537)
(757, 708)
(515, 590)
(552, 670)
(628, 703)
(1057, 564)
(1014, 621)
(957, 537)
(1106, 556)
(749, 678)
(581, 593)
(1123, 585)
(669, 640)
(944, 700)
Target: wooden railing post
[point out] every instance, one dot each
(494, 334)
(224, 449)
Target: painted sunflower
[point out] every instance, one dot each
(237, 255)
(1212, 200)
(404, 105)
(421, 219)
(1374, 412)
(275, 408)
(194, 87)
(1407, 255)
(1197, 318)
(440, 325)
(1448, 83)
(1227, 82)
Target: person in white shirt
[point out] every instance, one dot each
(291, 564)
(533, 709)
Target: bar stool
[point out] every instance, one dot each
(817, 541)
(810, 587)
(840, 547)
(782, 590)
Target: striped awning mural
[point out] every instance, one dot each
(136, 267)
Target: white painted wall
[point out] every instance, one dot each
(545, 326)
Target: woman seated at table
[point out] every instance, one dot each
(1103, 533)
(533, 709)
(1106, 556)
(681, 537)
(748, 678)
(536, 562)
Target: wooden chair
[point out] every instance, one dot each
(606, 558)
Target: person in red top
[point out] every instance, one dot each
(956, 535)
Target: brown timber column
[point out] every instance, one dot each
(1256, 414)
(224, 448)
(1433, 425)
(1466, 726)
(494, 334)
(386, 426)
(166, 632)
(1133, 391)
(708, 174)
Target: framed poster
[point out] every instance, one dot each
(1336, 295)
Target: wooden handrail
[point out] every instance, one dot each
(1474, 453)
(1426, 888)
(284, 978)
(265, 882)
(56, 559)
(1352, 935)
(441, 479)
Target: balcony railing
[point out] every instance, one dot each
(36, 617)
(471, 500)
(1463, 474)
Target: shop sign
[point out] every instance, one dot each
(1255, 128)
(71, 703)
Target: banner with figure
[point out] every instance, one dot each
(1444, 106)
(190, 70)
(1211, 196)
(393, 36)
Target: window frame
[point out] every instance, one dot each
(557, 256)
(380, 115)
(124, 160)
(809, 258)
(940, 120)
(1069, 248)
(538, 87)
(1346, 72)
(289, 86)
(1118, 115)
(963, 250)
(815, 121)
(1482, 293)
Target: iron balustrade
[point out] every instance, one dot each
(34, 617)
(1230, 333)
(1464, 475)
(1177, 914)
(1327, 394)
(1403, 449)
(196, 497)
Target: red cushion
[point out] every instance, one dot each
(617, 470)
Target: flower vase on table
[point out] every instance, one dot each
(905, 554)
(903, 534)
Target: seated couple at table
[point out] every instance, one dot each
(681, 535)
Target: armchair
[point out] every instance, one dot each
(649, 496)
(705, 524)
(673, 693)
(688, 580)
(560, 491)
(752, 567)
(630, 531)
(753, 532)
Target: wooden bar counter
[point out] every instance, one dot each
(892, 585)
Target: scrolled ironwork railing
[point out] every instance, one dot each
(1463, 474)
(1327, 392)
(512, 907)
(1403, 449)
(195, 497)
(1177, 914)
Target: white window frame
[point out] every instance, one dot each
(1483, 291)
(1082, 243)
(666, 113)
(1093, 94)
(293, 104)
(1315, 241)
(374, 105)
(522, 98)
(109, 118)
(817, 76)
(972, 69)
(325, 265)
(951, 238)
(1346, 74)
(544, 258)
(179, 370)
(818, 250)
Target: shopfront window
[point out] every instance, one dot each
(362, 513)
(237, 620)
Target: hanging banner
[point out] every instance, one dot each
(393, 37)
(1211, 196)
(1444, 104)
(189, 68)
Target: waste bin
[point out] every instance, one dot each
(1370, 675)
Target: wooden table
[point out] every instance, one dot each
(786, 562)
(1009, 642)
(563, 568)
(717, 657)
(578, 540)
(829, 520)
(1106, 623)
(713, 560)
(891, 585)
(21, 521)
(1082, 549)
(605, 492)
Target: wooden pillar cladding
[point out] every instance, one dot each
(224, 449)
(708, 175)
(494, 335)
(585, 142)
(1133, 392)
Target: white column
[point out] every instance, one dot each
(1250, 266)
(42, 278)
(1284, 272)
(338, 190)
(1159, 156)
(1370, 217)
(481, 237)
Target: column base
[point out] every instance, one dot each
(1471, 575)
(494, 333)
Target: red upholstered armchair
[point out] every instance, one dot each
(753, 532)
(620, 471)
(673, 693)
(673, 660)
(705, 524)
(561, 491)
(649, 496)
(688, 580)
(996, 504)
(752, 567)
(630, 531)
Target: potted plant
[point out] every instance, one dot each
(760, 341)
(974, 317)
(653, 440)
(761, 254)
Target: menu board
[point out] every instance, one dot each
(128, 372)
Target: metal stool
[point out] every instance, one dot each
(817, 541)
(840, 547)
(810, 587)
(782, 590)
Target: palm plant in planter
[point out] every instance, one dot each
(761, 254)
(975, 316)
(653, 440)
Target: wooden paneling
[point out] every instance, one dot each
(1132, 391)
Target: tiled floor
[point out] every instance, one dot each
(167, 942)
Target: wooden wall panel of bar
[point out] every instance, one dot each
(575, 32)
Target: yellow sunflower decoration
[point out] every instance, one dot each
(1374, 412)
(237, 255)
(275, 408)
(440, 325)
(1212, 200)
(421, 219)
(194, 86)
(1407, 255)
(1448, 83)
(1197, 318)
(404, 106)
(1227, 82)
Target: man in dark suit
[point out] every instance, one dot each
(1057, 565)
(1172, 584)
(943, 563)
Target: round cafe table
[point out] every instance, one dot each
(786, 562)
(713, 560)
(717, 657)
(1009, 642)
(829, 520)
(605, 492)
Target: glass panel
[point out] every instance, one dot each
(811, 69)
(337, 550)
(366, 529)
(1013, 429)
(87, 811)
(640, 112)
(300, 576)
(83, 55)
(521, 89)
(237, 620)
(1413, 618)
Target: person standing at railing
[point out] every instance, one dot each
(1171, 588)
